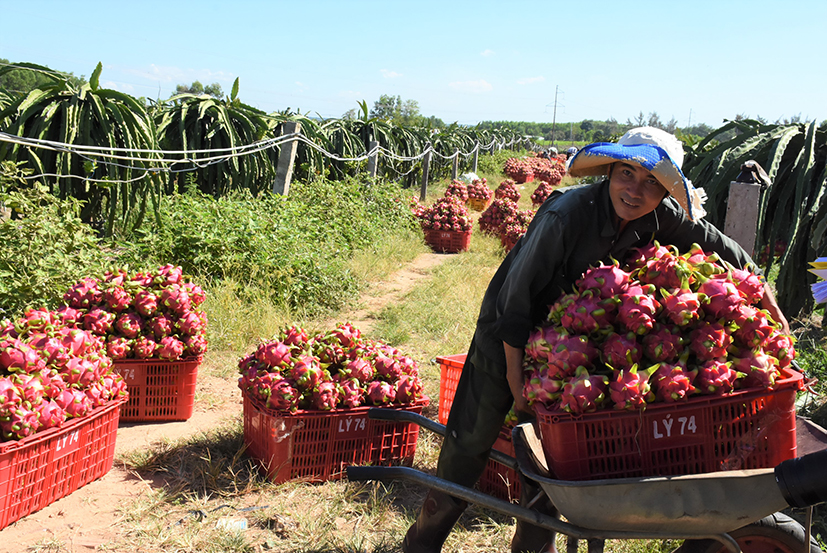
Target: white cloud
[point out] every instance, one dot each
(120, 87)
(177, 75)
(531, 80)
(390, 74)
(486, 53)
(471, 86)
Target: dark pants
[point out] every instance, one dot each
(480, 405)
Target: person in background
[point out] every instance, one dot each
(644, 197)
(570, 152)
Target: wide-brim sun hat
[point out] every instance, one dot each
(657, 151)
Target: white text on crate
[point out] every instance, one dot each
(666, 426)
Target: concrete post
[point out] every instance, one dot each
(372, 158)
(476, 156)
(426, 166)
(455, 166)
(743, 203)
(287, 157)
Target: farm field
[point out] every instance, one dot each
(188, 486)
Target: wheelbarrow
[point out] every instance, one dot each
(716, 512)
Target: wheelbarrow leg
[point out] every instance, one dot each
(594, 545)
(529, 538)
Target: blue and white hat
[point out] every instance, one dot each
(657, 151)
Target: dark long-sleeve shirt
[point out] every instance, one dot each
(572, 231)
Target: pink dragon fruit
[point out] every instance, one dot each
(673, 382)
(274, 353)
(408, 365)
(77, 341)
(638, 308)
(192, 322)
(167, 275)
(81, 371)
(306, 373)
(583, 392)
(621, 351)
(360, 369)
(589, 313)
(10, 397)
(170, 348)
(761, 370)
(69, 316)
(116, 298)
(710, 341)
(161, 326)
(380, 392)
(260, 385)
(664, 343)
(196, 294)
(408, 389)
(703, 263)
(386, 367)
(20, 423)
(571, 351)
(325, 396)
(49, 415)
(543, 387)
(347, 335)
(144, 347)
(637, 257)
(538, 347)
(30, 387)
(749, 284)
(7, 330)
(716, 377)
(118, 347)
(74, 403)
(782, 347)
(53, 382)
(98, 321)
(52, 350)
(18, 356)
(722, 297)
(630, 389)
(283, 396)
(129, 324)
(754, 326)
(352, 392)
(294, 336)
(196, 345)
(681, 308)
(96, 393)
(175, 298)
(146, 303)
(116, 385)
(83, 294)
(37, 320)
(608, 280)
(115, 278)
(667, 272)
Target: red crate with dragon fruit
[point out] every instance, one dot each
(665, 365)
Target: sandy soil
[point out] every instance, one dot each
(88, 519)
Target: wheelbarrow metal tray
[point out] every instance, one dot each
(700, 504)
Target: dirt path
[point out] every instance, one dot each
(89, 519)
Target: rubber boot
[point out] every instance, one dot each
(529, 538)
(439, 513)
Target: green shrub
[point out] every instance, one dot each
(46, 249)
(493, 164)
(297, 245)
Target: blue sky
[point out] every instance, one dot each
(700, 61)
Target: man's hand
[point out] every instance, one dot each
(514, 364)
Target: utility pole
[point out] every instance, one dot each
(690, 118)
(554, 116)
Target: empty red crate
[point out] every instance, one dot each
(497, 480)
(751, 428)
(158, 390)
(448, 241)
(40, 469)
(319, 445)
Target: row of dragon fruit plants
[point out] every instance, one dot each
(60, 364)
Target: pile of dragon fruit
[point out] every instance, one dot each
(457, 189)
(338, 369)
(541, 193)
(51, 372)
(663, 328)
(144, 315)
(508, 190)
(478, 190)
(447, 213)
(504, 219)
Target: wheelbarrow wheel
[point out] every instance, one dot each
(777, 533)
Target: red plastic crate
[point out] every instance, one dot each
(751, 428)
(497, 480)
(450, 368)
(40, 469)
(318, 445)
(158, 390)
(448, 241)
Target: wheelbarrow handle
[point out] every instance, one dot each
(398, 415)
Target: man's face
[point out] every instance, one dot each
(634, 191)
